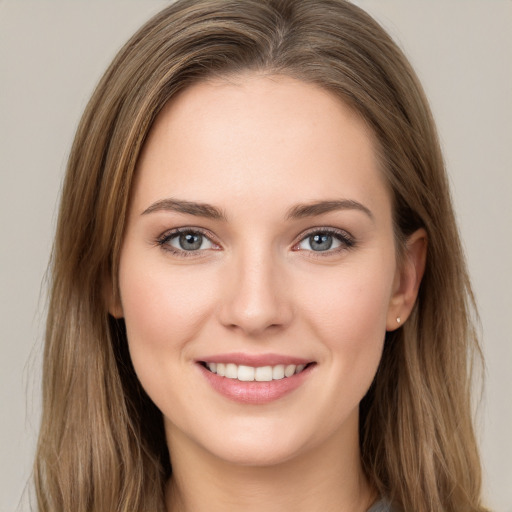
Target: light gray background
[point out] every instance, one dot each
(53, 52)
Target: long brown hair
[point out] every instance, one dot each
(101, 444)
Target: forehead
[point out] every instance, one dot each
(263, 136)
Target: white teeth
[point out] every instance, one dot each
(263, 374)
(231, 371)
(278, 372)
(259, 374)
(221, 369)
(245, 373)
(290, 370)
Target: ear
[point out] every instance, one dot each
(407, 281)
(113, 299)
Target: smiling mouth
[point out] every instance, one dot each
(245, 373)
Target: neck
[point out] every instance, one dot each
(322, 479)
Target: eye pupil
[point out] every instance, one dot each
(190, 241)
(320, 242)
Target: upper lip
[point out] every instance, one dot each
(255, 360)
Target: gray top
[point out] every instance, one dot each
(381, 506)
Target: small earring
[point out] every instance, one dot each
(398, 319)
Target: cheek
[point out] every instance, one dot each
(163, 310)
(349, 316)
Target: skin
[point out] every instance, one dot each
(254, 147)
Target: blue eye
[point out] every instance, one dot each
(325, 241)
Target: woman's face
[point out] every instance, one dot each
(259, 245)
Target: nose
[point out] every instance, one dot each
(255, 299)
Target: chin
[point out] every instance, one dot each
(246, 442)
(252, 453)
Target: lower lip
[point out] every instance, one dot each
(254, 392)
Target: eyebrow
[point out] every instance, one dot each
(189, 207)
(296, 212)
(320, 207)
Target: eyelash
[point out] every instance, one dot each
(346, 240)
(165, 238)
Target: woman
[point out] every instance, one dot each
(259, 296)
